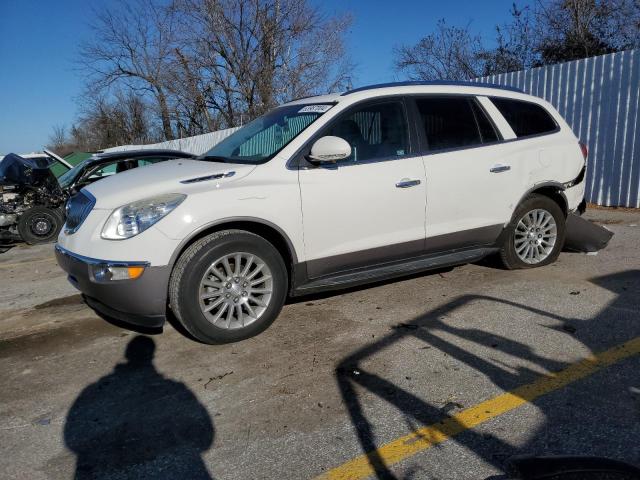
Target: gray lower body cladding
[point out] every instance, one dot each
(451, 242)
(142, 301)
(367, 266)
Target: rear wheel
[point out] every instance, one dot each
(535, 235)
(228, 286)
(40, 225)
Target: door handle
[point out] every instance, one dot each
(406, 183)
(499, 168)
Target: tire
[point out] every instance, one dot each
(194, 288)
(40, 225)
(524, 246)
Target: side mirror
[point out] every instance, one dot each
(329, 149)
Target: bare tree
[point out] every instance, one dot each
(572, 29)
(201, 65)
(191, 111)
(133, 46)
(58, 140)
(121, 119)
(550, 31)
(451, 53)
(249, 55)
(516, 47)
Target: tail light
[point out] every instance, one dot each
(585, 150)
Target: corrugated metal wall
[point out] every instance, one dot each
(598, 97)
(197, 145)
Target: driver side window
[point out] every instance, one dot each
(374, 131)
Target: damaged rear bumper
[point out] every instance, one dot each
(582, 207)
(585, 236)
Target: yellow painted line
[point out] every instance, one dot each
(20, 264)
(428, 436)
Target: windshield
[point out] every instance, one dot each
(59, 168)
(260, 140)
(67, 178)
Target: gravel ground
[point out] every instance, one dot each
(334, 376)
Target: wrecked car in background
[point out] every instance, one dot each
(32, 199)
(102, 165)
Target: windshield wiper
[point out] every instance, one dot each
(214, 158)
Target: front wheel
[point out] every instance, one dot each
(535, 235)
(228, 286)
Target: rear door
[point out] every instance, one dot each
(470, 180)
(369, 208)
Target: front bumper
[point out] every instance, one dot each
(142, 301)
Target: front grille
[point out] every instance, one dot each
(78, 208)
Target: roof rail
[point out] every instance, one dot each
(434, 83)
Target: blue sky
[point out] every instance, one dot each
(39, 41)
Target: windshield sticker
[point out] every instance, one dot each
(315, 109)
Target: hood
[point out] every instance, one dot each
(172, 176)
(33, 172)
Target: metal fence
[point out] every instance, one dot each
(197, 144)
(598, 97)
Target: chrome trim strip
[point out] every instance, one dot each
(216, 176)
(96, 261)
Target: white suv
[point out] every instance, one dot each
(323, 193)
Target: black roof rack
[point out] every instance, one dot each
(434, 83)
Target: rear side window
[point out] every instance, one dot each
(525, 118)
(453, 122)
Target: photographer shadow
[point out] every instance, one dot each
(136, 423)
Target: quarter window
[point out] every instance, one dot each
(374, 131)
(525, 118)
(450, 122)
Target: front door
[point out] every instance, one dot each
(370, 207)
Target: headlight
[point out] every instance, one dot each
(134, 218)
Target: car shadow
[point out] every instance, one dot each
(136, 423)
(432, 330)
(126, 325)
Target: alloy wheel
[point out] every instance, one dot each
(235, 290)
(535, 236)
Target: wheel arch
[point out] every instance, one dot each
(266, 229)
(553, 190)
(550, 189)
